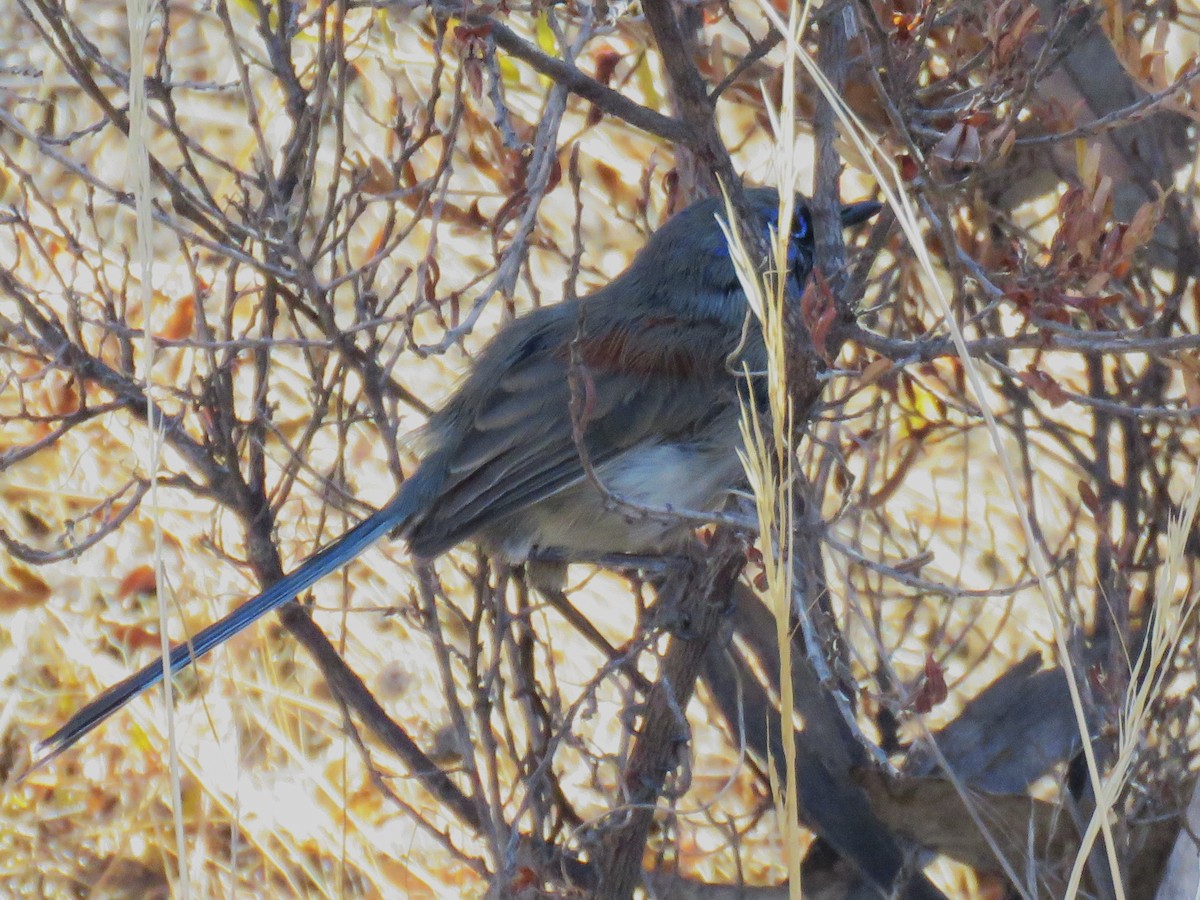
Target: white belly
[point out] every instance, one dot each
(689, 477)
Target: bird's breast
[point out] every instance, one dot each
(627, 516)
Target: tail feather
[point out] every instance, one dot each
(321, 563)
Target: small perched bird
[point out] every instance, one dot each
(654, 363)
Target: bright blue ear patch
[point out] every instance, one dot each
(801, 229)
(800, 232)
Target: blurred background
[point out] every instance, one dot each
(348, 200)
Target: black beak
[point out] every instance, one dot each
(854, 213)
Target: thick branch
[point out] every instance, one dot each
(694, 104)
(826, 203)
(604, 98)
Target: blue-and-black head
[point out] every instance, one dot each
(765, 202)
(690, 249)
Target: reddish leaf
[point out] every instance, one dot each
(933, 688)
(134, 637)
(819, 312)
(606, 63)
(181, 320)
(470, 33)
(1044, 386)
(138, 581)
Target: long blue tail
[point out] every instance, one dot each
(321, 563)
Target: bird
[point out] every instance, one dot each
(652, 365)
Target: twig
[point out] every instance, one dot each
(705, 596)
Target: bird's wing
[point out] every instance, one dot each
(661, 378)
(516, 450)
